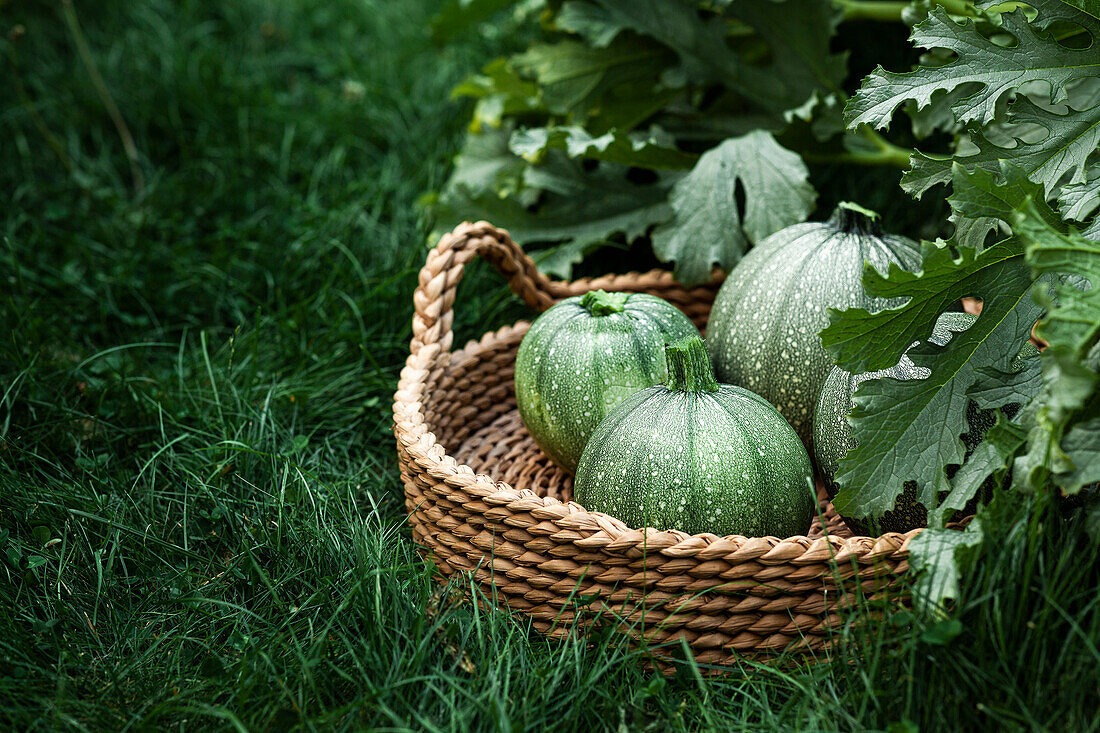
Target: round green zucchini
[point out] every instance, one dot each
(585, 355)
(698, 456)
(763, 331)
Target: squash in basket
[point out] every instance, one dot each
(763, 331)
(585, 355)
(698, 456)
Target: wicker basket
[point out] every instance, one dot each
(483, 498)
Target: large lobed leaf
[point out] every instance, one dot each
(938, 558)
(708, 229)
(1082, 447)
(639, 150)
(989, 201)
(1062, 441)
(578, 210)
(1080, 200)
(486, 165)
(649, 85)
(500, 93)
(986, 83)
(1001, 70)
(991, 457)
(857, 338)
(1060, 427)
(1074, 322)
(799, 59)
(910, 430)
(1069, 140)
(615, 86)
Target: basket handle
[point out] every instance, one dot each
(433, 300)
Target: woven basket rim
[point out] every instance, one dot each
(589, 529)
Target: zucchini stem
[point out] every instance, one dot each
(878, 151)
(603, 303)
(855, 219)
(689, 368)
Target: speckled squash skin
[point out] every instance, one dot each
(833, 434)
(585, 355)
(763, 331)
(833, 438)
(700, 457)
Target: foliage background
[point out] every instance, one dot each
(200, 516)
(608, 130)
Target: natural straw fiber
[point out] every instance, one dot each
(483, 498)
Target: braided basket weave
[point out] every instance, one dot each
(483, 498)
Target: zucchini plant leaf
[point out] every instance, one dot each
(798, 34)
(500, 93)
(1042, 93)
(559, 259)
(1067, 386)
(579, 210)
(991, 457)
(1072, 330)
(925, 171)
(639, 150)
(588, 20)
(798, 60)
(485, 164)
(989, 201)
(1074, 322)
(997, 449)
(1092, 231)
(938, 558)
(938, 115)
(1082, 447)
(910, 430)
(698, 40)
(1092, 7)
(1068, 141)
(618, 84)
(1078, 201)
(1001, 70)
(708, 229)
(821, 114)
(860, 341)
(994, 387)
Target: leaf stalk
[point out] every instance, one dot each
(880, 152)
(890, 11)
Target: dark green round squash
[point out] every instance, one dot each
(763, 331)
(697, 456)
(833, 434)
(585, 355)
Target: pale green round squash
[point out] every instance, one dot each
(763, 331)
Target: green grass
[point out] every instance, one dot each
(200, 515)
